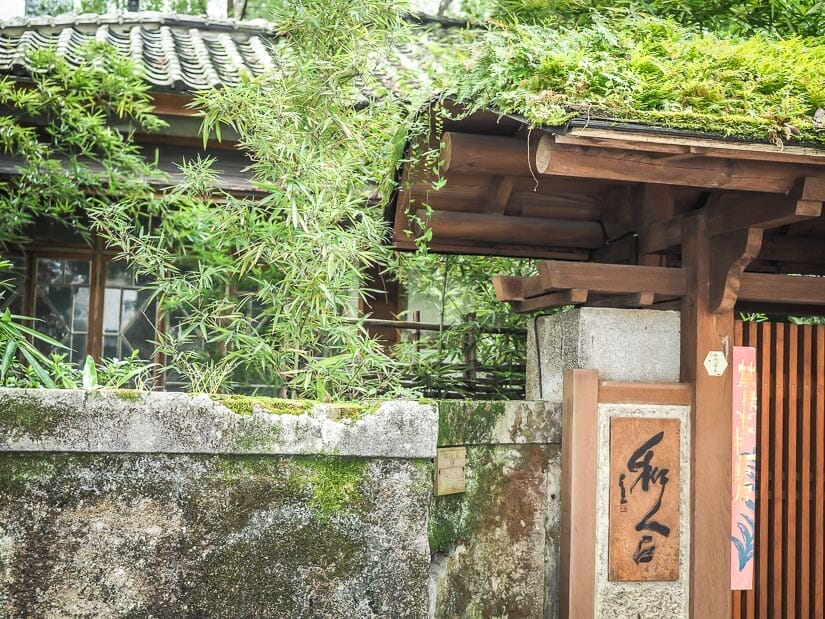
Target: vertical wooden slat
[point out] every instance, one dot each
(791, 475)
(777, 537)
(804, 434)
(819, 477)
(789, 588)
(763, 546)
(578, 493)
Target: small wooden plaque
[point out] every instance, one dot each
(644, 499)
(449, 470)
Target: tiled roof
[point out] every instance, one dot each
(179, 53)
(188, 53)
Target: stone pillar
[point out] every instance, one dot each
(622, 344)
(632, 346)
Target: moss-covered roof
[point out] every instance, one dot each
(651, 71)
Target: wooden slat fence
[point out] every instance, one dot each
(789, 574)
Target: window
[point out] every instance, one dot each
(85, 300)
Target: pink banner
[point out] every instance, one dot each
(743, 468)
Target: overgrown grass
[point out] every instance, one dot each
(649, 70)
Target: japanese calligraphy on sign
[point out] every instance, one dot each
(644, 499)
(743, 468)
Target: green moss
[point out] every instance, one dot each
(454, 518)
(17, 471)
(334, 482)
(354, 411)
(259, 436)
(245, 405)
(128, 395)
(464, 422)
(26, 415)
(649, 70)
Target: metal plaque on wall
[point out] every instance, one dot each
(644, 499)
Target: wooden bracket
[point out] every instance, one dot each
(730, 255)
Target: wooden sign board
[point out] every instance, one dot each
(644, 499)
(449, 470)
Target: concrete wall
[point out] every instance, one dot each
(495, 547)
(123, 504)
(169, 506)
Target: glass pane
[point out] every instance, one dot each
(78, 353)
(140, 333)
(129, 307)
(53, 308)
(49, 270)
(80, 315)
(111, 310)
(77, 272)
(118, 275)
(110, 346)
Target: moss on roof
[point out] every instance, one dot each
(648, 70)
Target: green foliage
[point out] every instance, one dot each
(460, 289)
(649, 70)
(264, 287)
(739, 17)
(62, 7)
(75, 162)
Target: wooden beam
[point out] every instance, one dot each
(611, 278)
(785, 289)
(800, 249)
(671, 144)
(510, 250)
(614, 392)
(733, 211)
(563, 298)
(730, 254)
(485, 154)
(533, 231)
(579, 466)
(711, 431)
(500, 192)
(637, 299)
(635, 167)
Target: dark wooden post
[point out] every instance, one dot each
(702, 332)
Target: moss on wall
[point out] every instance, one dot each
(212, 536)
(27, 415)
(245, 405)
(461, 422)
(493, 535)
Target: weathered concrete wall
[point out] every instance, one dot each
(495, 547)
(622, 344)
(124, 504)
(219, 520)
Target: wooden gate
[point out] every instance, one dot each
(789, 574)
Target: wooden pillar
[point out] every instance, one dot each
(711, 432)
(579, 444)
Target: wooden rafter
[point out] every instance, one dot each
(695, 146)
(641, 167)
(533, 231)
